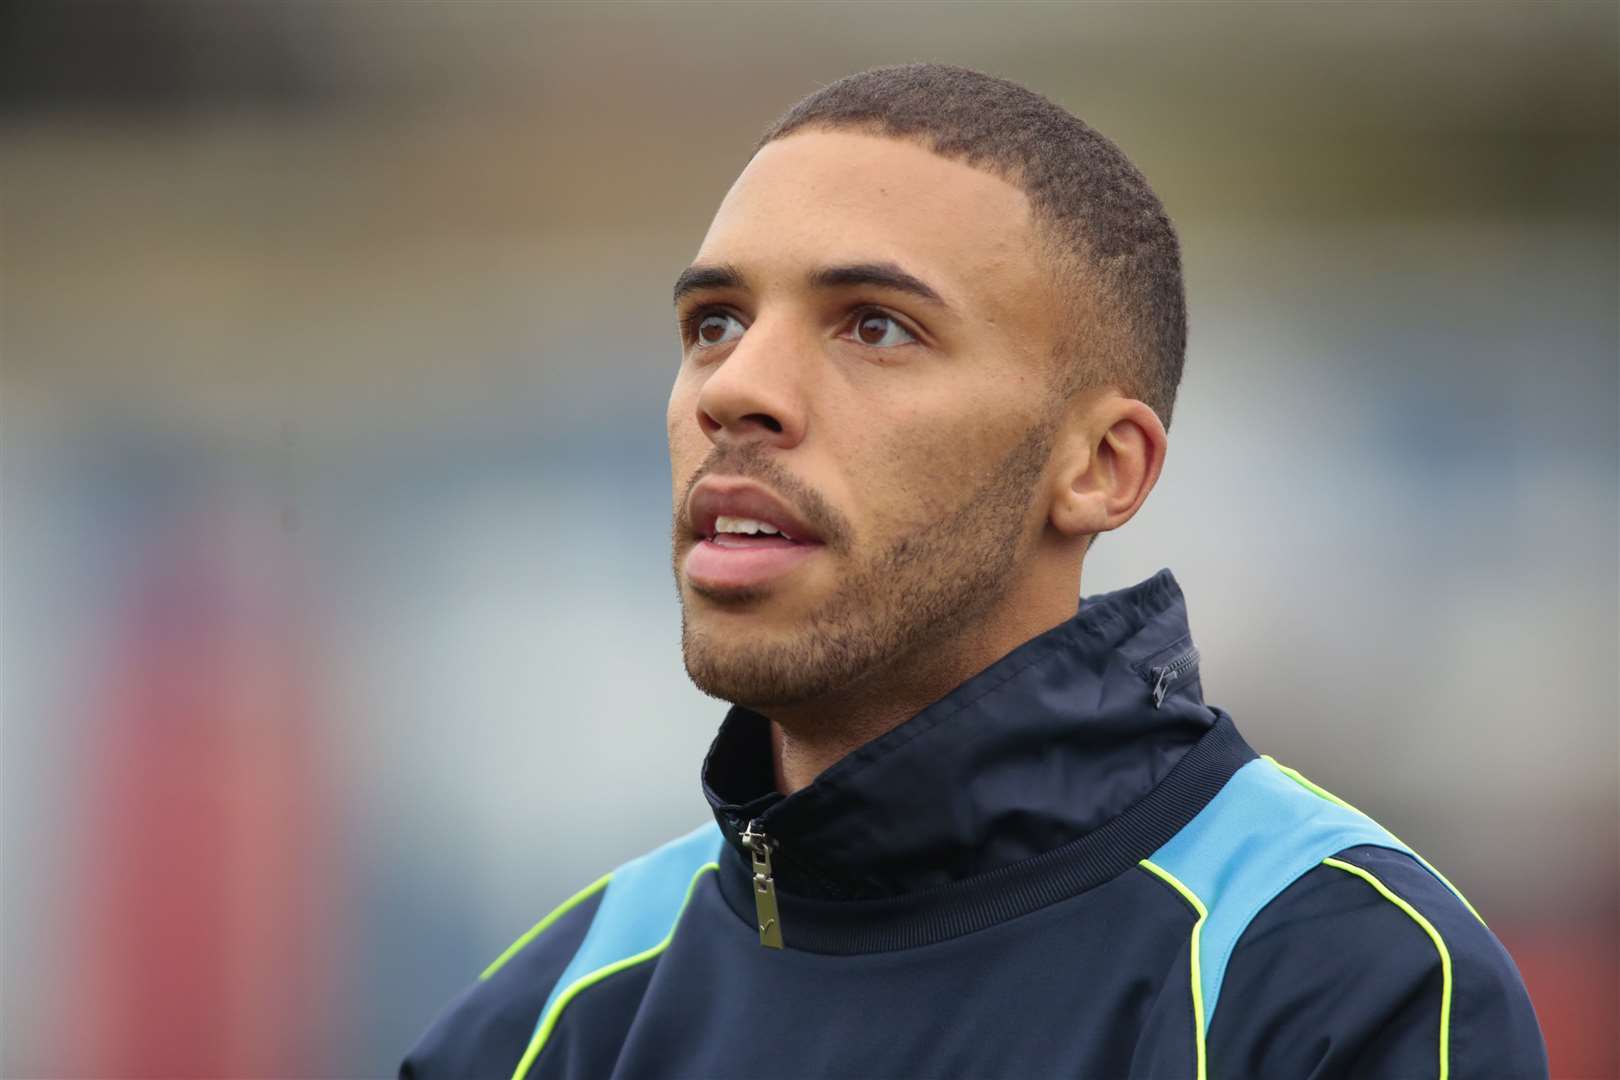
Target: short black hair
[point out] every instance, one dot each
(1112, 244)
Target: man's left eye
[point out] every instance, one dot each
(881, 331)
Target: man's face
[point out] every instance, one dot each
(864, 369)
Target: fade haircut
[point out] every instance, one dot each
(1112, 248)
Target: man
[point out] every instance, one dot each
(931, 343)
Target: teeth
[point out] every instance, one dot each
(745, 526)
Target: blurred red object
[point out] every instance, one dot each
(1572, 970)
(205, 880)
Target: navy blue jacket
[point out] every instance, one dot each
(1070, 866)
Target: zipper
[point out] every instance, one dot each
(770, 921)
(1166, 674)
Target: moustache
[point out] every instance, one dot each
(752, 462)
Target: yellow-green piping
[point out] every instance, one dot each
(591, 978)
(1316, 789)
(539, 928)
(1197, 985)
(1439, 944)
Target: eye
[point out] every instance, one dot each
(881, 330)
(710, 328)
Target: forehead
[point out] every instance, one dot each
(820, 198)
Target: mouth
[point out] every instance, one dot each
(745, 538)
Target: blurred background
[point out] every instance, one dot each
(339, 641)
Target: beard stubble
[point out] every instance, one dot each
(925, 586)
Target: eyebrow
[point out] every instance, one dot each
(699, 277)
(883, 275)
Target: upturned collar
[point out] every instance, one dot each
(1084, 748)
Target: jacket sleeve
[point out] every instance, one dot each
(1369, 967)
(486, 1029)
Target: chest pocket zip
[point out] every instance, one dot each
(1164, 676)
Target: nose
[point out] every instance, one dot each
(756, 393)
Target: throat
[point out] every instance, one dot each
(809, 737)
(804, 746)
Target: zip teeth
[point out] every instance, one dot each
(745, 526)
(1169, 673)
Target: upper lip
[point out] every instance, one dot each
(718, 495)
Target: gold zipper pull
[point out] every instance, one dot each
(770, 922)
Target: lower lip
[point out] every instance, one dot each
(717, 566)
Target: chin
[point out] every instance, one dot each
(738, 681)
(746, 667)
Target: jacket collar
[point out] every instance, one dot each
(1047, 745)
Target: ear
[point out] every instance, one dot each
(1114, 454)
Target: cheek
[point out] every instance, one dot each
(681, 395)
(687, 443)
(904, 475)
(684, 392)
(920, 472)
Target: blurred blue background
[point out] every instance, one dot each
(339, 641)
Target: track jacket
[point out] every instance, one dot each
(1069, 867)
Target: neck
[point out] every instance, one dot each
(808, 738)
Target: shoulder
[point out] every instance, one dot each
(1370, 965)
(1328, 947)
(486, 1028)
(502, 1019)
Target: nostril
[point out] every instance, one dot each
(769, 423)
